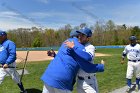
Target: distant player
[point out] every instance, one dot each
(51, 53)
(7, 60)
(132, 51)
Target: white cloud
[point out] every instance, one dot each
(8, 14)
(12, 20)
(127, 12)
(90, 20)
(4, 13)
(11, 16)
(52, 19)
(59, 19)
(74, 0)
(40, 14)
(43, 1)
(13, 25)
(57, 15)
(128, 15)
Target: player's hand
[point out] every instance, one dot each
(69, 44)
(122, 62)
(5, 66)
(102, 62)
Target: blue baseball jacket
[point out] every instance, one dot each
(7, 52)
(62, 70)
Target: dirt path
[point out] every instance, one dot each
(33, 56)
(40, 55)
(123, 90)
(101, 54)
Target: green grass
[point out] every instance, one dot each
(113, 77)
(31, 81)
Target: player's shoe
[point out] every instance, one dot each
(137, 88)
(128, 90)
(23, 91)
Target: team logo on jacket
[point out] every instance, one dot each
(84, 49)
(1, 48)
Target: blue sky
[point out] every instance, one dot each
(57, 13)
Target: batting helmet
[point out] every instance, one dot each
(85, 31)
(74, 33)
(132, 38)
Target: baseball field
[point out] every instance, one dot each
(112, 78)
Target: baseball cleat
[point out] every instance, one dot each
(128, 90)
(23, 91)
(137, 88)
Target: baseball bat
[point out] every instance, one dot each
(24, 66)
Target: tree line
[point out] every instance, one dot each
(103, 34)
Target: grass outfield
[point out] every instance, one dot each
(112, 78)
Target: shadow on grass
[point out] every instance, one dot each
(33, 90)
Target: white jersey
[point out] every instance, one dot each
(91, 50)
(132, 52)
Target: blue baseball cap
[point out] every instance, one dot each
(74, 33)
(85, 31)
(2, 33)
(132, 38)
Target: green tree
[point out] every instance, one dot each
(136, 31)
(37, 42)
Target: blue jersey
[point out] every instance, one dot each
(7, 52)
(64, 67)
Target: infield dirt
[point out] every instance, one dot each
(40, 55)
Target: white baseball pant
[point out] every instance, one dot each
(49, 89)
(11, 71)
(87, 85)
(133, 68)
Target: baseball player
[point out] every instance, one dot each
(60, 73)
(51, 53)
(132, 51)
(87, 82)
(7, 60)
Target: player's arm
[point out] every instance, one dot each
(87, 66)
(91, 68)
(11, 52)
(82, 53)
(124, 55)
(79, 50)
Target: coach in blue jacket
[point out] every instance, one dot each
(60, 73)
(7, 60)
